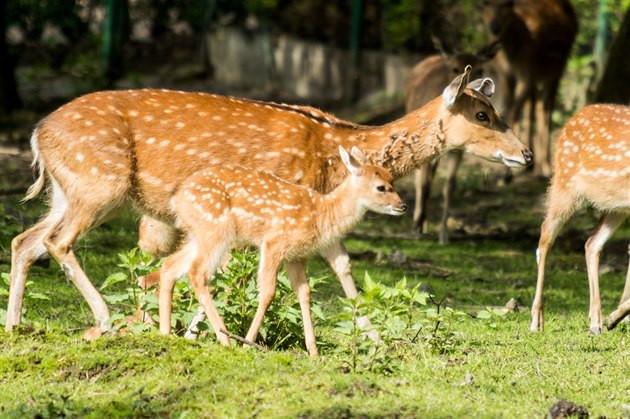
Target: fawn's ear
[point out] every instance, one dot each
(353, 166)
(454, 90)
(359, 155)
(484, 86)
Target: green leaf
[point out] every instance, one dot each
(114, 318)
(117, 298)
(37, 296)
(484, 314)
(114, 278)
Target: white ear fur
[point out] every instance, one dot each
(485, 86)
(359, 155)
(456, 88)
(353, 166)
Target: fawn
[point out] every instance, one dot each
(224, 206)
(109, 148)
(592, 164)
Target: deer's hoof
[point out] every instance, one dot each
(93, 333)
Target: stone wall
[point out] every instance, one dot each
(302, 69)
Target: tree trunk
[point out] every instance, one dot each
(613, 86)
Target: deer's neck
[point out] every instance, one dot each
(405, 144)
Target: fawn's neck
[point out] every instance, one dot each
(337, 212)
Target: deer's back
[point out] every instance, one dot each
(153, 139)
(593, 156)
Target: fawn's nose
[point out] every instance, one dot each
(529, 156)
(402, 207)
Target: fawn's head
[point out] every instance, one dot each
(472, 124)
(371, 185)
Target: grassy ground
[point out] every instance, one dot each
(477, 368)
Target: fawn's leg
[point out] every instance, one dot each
(173, 267)
(270, 262)
(296, 271)
(199, 272)
(608, 224)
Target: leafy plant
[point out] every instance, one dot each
(492, 314)
(235, 295)
(136, 264)
(392, 312)
(49, 406)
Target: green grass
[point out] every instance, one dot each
(485, 368)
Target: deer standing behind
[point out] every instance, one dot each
(536, 38)
(106, 149)
(592, 165)
(226, 206)
(424, 84)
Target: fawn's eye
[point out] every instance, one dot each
(381, 188)
(482, 116)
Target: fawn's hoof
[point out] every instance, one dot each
(596, 330)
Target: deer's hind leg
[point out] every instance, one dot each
(26, 248)
(608, 224)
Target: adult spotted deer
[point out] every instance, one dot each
(592, 165)
(424, 84)
(225, 206)
(108, 148)
(536, 36)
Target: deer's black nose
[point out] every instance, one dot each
(402, 207)
(529, 156)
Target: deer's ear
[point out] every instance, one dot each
(485, 86)
(454, 90)
(359, 155)
(488, 51)
(353, 166)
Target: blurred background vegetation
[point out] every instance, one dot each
(96, 42)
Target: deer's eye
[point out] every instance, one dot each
(381, 188)
(482, 116)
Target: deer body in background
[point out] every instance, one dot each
(424, 84)
(536, 38)
(109, 148)
(592, 165)
(225, 206)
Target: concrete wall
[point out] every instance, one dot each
(302, 69)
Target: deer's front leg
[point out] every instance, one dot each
(337, 257)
